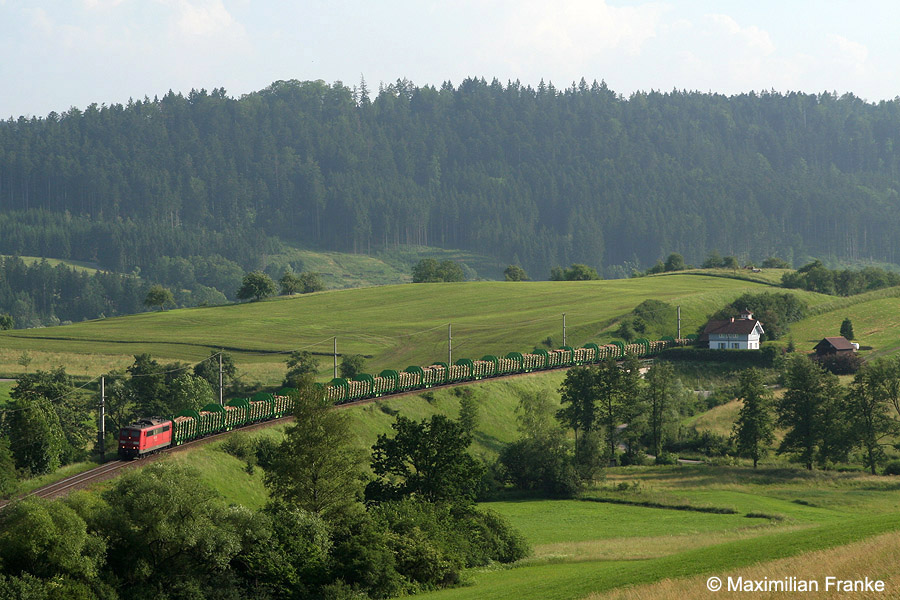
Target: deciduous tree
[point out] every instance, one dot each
(867, 406)
(316, 467)
(159, 296)
(257, 285)
(426, 460)
(754, 429)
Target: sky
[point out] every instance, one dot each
(55, 55)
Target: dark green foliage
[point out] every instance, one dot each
(666, 458)
(426, 460)
(515, 273)
(311, 282)
(159, 296)
(167, 533)
(754, 429)
(429, 270)
(285, 552)
(351, 365)
(704, 442)
(892, 468)
(604, 395)
(539, 459)
(208, 369)
(713, 260)
(816, 278)
(147, 388)
(187, 391)
(6, 322)
(773, 262)
(7, 468)
(36, 436)
(675, 262)
(533, 464)
(775, 311)
(730, 262)
(840, 363)
(810, 411)
(871, 395)
(659, 404)
(39, 294)
(312, 163)
(847, 329)
(47, 424)
(626, 331)
(48, 539)
(763, 358)
(468, 411)
(432, 543)
(577, 272)
(301, 364)
(290, 283)
(256, 285)
(315, 467)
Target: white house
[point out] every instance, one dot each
(736, 334)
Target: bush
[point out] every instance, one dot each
(667, 458)
(704, 442)
(843, 363)
(531, 465)
(764, 358)
(892, 468)
(634, 457)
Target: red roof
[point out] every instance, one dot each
(732, 326)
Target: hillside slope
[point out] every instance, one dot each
(394, 326)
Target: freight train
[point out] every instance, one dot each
(150, 435)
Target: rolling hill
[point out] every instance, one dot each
(394, 326)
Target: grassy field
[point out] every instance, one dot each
(875, 317)
(394, 325)
(341, 270)
(78, 265)
(5, 387)
(584, 548)
(875, 558)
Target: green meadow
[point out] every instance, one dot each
(394, 326)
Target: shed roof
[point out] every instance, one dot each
(838, 343)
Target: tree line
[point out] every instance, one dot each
(534, 176)
(38, 294)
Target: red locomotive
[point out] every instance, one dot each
(146, 436)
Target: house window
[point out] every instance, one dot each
(734, 346)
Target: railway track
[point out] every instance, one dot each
(112, 468)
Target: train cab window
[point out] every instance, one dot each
(166, 428)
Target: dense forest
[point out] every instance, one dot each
(538, 177)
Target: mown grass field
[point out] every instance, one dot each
(875, 317)
(395, 326)
(611, 548)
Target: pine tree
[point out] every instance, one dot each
(847, 329)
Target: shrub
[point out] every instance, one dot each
(634, 457)
(892, 468)
(843, 363)
(667, 458)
